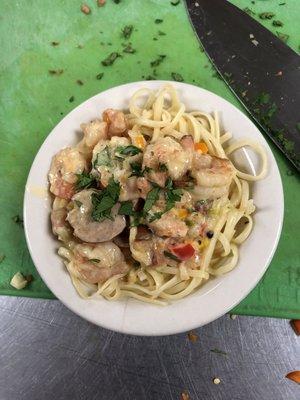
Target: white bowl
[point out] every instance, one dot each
(217, 296)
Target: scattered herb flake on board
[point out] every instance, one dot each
(54, 43)
(18, 220)
(281, 4)
(175, 2)
(117, 1)
(248, 11)
(85, 9)
(263, 98)
(71, 99)
(85, 181)
(56, 71)
(156, 62)
(161, 33)
(2, 257)
(158, 21)
(110, 59)
(29, 278)
(277, 23)
(126, 208)
(79, 82)
(99, 76)
(177, 77)
(282, 36)
(217, 351)
(193, 337)
(127, 31)
(129, 49)
(266, 15)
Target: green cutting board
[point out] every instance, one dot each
(33, 101)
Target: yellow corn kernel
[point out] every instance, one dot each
(182, 213)
(139, 141)
(204, 244)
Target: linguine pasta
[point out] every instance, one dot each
(148, 204)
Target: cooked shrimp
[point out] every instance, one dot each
(213, 176)
(166, 151)
(117, 125)
(88, 230)
(170, 225)
(64, 167)
(60, 226)
(97, 263)
(93, 132)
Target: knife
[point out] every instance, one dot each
(257, 66)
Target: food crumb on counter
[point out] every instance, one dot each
(85, 9)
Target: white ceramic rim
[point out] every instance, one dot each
(216, 297)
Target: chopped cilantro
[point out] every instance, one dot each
(103, 158)
(156, 62)
(126, 208)
(162, 167)
(151, 198)
(85, 181)
(99, 76)
(266, 15)
(171, 255)
(127, 31)
(219, 352)
(155, 216)
(117, 1)
(128, 150)
(158, 21)
(71, 99)
(136, 169)
(282, 36)
(177, 77)
(129, 49)
(161, 33)
(18, 220)
(277, 23)
(110, 59)
(56, 71)
(94, 260)
(175, 2)
(104, 201)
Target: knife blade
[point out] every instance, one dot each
(259, 68)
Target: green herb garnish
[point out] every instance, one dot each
(158, 21)
(129, 49)
(110, 59)
(162, 167)
(155, 216)
(94, 260)
(85, 181)
(277, 23)
(219, 352)
(2, 257)
(99, 76)
(18, 220)
(171, 255)
(151, 198)
(127, 31)
(156, 62)
(103, 158)
(126, 208)
(71, 99)
(128, 150)
(266, 15)
(177, 77)
(104, 201)
(282, 36)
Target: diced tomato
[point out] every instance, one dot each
(183, 251)
(296, 325)
(201, 147)
(294, 376)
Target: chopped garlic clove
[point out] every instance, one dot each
(18, 281)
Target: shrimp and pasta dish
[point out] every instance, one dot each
(148, 205)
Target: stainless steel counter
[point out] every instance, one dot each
(47, 352)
